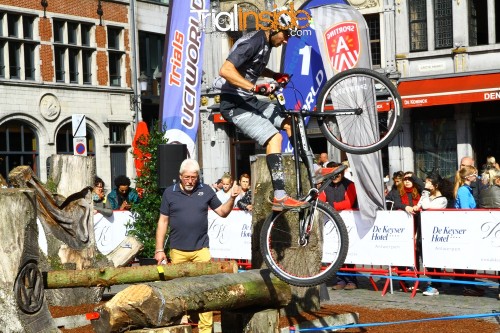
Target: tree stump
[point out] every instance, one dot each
(69, 173)
(163, 303)
(23, 307)
(303, 299)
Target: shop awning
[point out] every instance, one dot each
(456, 89)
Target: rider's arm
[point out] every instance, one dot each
(268, 73)
(231, 74)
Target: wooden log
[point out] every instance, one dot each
(125, 251)
(108, 276)
(303, 299)
(250, 320)
(163, 303)
(170, 329)
(23, 308)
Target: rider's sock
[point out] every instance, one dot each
(275, 166)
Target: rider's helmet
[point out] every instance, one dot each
(285, 22)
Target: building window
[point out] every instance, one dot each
(443, 24)
(117, 133)
(497, 21)
(418, 25)
(435, 143)
(115, 54)
(28, 27)
(29, 61)
(18, 146)
(64, 141)
(478, 22)
(2, 59)
(150, 53)
(73, 52)
(373, 22)
(17, 47)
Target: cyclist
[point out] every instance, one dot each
(258, 119)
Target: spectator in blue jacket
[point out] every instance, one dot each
(123, 196)
(464, 198)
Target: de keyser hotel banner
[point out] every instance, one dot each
(463, 239)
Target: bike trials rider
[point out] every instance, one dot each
(259, 120)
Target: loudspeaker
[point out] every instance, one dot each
(170, 157)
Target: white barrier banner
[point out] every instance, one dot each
(388, 242)
(463, 239)
(111, 231)
(230, 237)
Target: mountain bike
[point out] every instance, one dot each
(359, 111)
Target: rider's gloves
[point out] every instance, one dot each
(281, 78)
(264, 88)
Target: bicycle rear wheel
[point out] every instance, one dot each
(374, 111)
(312, 262)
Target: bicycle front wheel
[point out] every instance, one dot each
(312, 260)
(369, 111)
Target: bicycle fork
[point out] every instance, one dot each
(305, 227)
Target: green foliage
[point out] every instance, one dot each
(147, 211)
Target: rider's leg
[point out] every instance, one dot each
(274, 161)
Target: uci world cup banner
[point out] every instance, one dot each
(182, 71)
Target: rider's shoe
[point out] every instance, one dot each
(288, 203)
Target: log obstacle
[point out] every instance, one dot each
(108, 276)
(163, 303)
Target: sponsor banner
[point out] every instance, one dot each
(182, 71)
(111, 231)
(463, 239)
(388, 242)
(230, 237)
(344, 43)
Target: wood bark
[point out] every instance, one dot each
(67, 221)
(164, 303)
(303, 299)
(108, 276)
(23, 308)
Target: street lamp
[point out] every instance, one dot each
(143, 81)
(135, 100)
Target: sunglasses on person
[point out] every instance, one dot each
(473, 175)
(408, 178)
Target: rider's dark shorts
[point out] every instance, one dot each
(257, 119)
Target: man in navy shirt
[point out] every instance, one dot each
(184, 207)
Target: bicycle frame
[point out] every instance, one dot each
(301, 148)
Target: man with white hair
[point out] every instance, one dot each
(184, 207)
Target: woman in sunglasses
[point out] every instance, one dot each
(463, 191)
(409, 194)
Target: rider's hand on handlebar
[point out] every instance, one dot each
(281, 78)
(264, 89)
